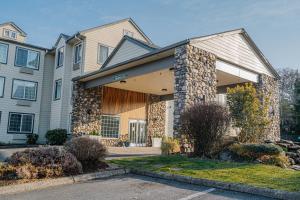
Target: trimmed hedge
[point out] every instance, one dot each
(56, 136)
(254, 151)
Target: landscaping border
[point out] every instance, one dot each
(10, 189)
(278, 194)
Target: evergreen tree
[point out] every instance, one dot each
(297, 104)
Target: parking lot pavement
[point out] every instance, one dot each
(130, 187)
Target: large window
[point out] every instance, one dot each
(3, 53)
(20, 123)
(60, 57)
(2, 84)
(102, 53)
(57, 89)
(24, 90)
(110, 126)
(27, 58)
(78, 53)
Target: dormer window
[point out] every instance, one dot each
(10, 34)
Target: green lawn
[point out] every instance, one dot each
(251, 174)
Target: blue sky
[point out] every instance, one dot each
(274, 25)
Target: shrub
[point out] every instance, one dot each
(7, 172)
(249, 112)
(32, 138)
(45, 162)
(255, 151)
(277, 160)
(169, 146)
(205, 125)
(56, 136)
(88, 151)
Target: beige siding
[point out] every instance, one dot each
(9, 71)
(20, 38)
(234, 48)
(110, 36)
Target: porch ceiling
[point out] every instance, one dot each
(159, 83)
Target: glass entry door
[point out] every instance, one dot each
(137, 133)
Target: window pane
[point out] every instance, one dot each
(3, 53)
(15, 122)
(33, 59)
(26, 126)
(110, 126)
(21, 59)
(78, 53)
(24, 90)
(57, 89)
(60, 57)
(2, 79)
(103, 53)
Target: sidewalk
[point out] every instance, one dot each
(113, 152)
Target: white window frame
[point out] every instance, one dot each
(24, 92)
(75, 61)
(21, 123)
(6, 54)
(55, 89)
(29, 51)
(119, 131)
(99, 53)
(3, 86)
(10, 34)
(60, 57)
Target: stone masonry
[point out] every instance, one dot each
(156, 117)
(86, 109)
(195, 79)
(269, 87)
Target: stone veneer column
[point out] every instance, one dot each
(195, 79)
(270, 86)
(156, 117)
(86, 109)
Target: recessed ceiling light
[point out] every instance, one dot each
(123, 81)
(164, 90)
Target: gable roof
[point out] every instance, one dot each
(117, 22)
(249, 41)
(15, 26)
(149, 47)
(66, 37)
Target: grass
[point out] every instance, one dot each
(259, 175)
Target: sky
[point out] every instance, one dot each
(274, 25)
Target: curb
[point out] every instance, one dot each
(278, 194)
(42, 184)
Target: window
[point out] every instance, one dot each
(127, 32)
(60, 57)
(3, 53)
(57, 90)
(110, 126)
(20, 123)
(102, 53)
(78, 53)
(27, 58)
(2, 83)
(10, 34)
(0, 116)
(24, 90)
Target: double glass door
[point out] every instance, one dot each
(137, 133)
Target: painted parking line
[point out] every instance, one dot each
(198, 194)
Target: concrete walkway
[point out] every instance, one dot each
(113, 152)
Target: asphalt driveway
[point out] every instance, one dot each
(129, 187)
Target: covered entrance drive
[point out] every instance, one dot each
(147, 93)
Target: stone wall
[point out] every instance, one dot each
(156, 117)
(86, 109)
(195, 79)
(269, 86)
